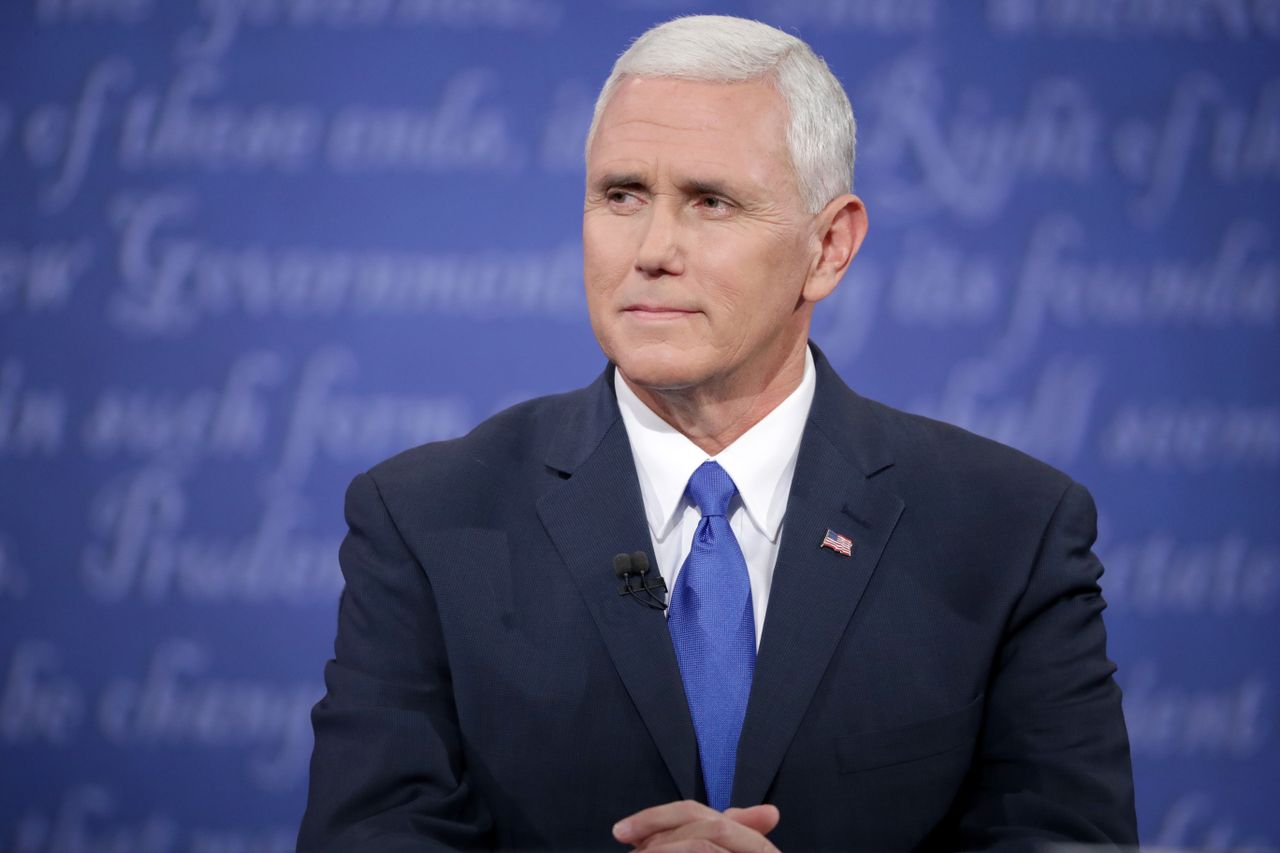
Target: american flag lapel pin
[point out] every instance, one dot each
(838, 542)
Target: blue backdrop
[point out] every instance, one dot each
(250, 247)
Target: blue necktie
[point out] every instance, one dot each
(713, 630)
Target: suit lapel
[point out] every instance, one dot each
(592, 515)
(815, 590)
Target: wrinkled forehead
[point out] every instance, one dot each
(735, 128)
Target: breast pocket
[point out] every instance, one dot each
(884, 747)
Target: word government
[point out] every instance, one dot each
(171, 284)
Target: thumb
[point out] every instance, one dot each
(762, 818)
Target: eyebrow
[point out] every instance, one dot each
(617, 179)
(708, 187)
(692, 187)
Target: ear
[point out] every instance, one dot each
(839, 229)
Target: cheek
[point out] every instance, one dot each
(755, 281)
(602, 273)
(604, 255)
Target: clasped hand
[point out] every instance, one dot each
(693, 826)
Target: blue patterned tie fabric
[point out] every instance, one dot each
(713, 630)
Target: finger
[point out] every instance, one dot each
(697, 845)
(762, 818)
(639, 826)
(719, 830)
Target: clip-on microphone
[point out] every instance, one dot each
(650, 593)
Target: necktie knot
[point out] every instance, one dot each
(711, 488)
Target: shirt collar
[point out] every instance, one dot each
(761, 461)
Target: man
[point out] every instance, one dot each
(882, 633)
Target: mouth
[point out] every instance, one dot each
(647, 311)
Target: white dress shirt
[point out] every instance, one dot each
(761, 463)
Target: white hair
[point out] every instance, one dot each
(821, 133)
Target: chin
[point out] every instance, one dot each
(660, 368)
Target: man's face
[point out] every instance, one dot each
(696, 243)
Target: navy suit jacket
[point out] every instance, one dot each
(945, 686)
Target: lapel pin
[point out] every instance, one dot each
(837, 542)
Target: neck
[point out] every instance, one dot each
(715, 414)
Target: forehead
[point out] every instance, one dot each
(738, 129)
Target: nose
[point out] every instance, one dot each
(660, 252)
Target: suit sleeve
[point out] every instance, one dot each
(387, 773)
(1053, 761)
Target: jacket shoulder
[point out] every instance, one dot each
(946, 458)
(503, 454)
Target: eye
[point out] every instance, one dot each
(622, 200)
(715, 204)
